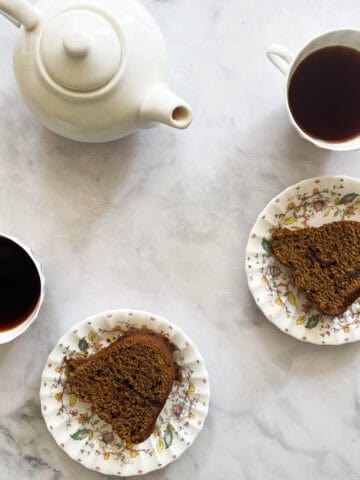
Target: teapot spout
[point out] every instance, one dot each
(163, 106)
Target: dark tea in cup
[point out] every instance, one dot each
(324, 94)
(20, 284)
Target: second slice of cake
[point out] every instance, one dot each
(324, 262)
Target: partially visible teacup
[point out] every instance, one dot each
(22, 288)
(288, 64)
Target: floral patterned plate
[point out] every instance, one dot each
(310, 203)
(89, 440)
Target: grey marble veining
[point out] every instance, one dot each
(159, 222)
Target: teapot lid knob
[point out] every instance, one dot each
(80, 50)
(76, 43)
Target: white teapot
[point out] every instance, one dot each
(93, 70)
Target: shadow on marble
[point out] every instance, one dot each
(297, 358)
(291, 156)
(4, 351)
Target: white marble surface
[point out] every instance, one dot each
(159, 222)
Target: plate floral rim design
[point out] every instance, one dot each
(311, 202)
(89, 440)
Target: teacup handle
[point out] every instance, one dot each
(20, 12)
(281, 57)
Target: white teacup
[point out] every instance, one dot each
(287, 63)
(10, 334)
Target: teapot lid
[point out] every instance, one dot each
(80, 50)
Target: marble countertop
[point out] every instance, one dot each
(159, 222)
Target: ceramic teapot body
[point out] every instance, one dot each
(93, 70)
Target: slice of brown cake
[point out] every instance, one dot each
(324, 261)
(127, 383)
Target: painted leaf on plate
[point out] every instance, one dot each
(83, 345)
(91, 336)
(348, 198)
(290, 220)
(168, 436)
(160, 445)
(291, 298)
(80, 434)
(313, 321)
(301, 320)
(72, 400)
(266, 245)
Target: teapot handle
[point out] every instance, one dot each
(20, 12)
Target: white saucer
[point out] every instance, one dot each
(89, 440)
(312, 203)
